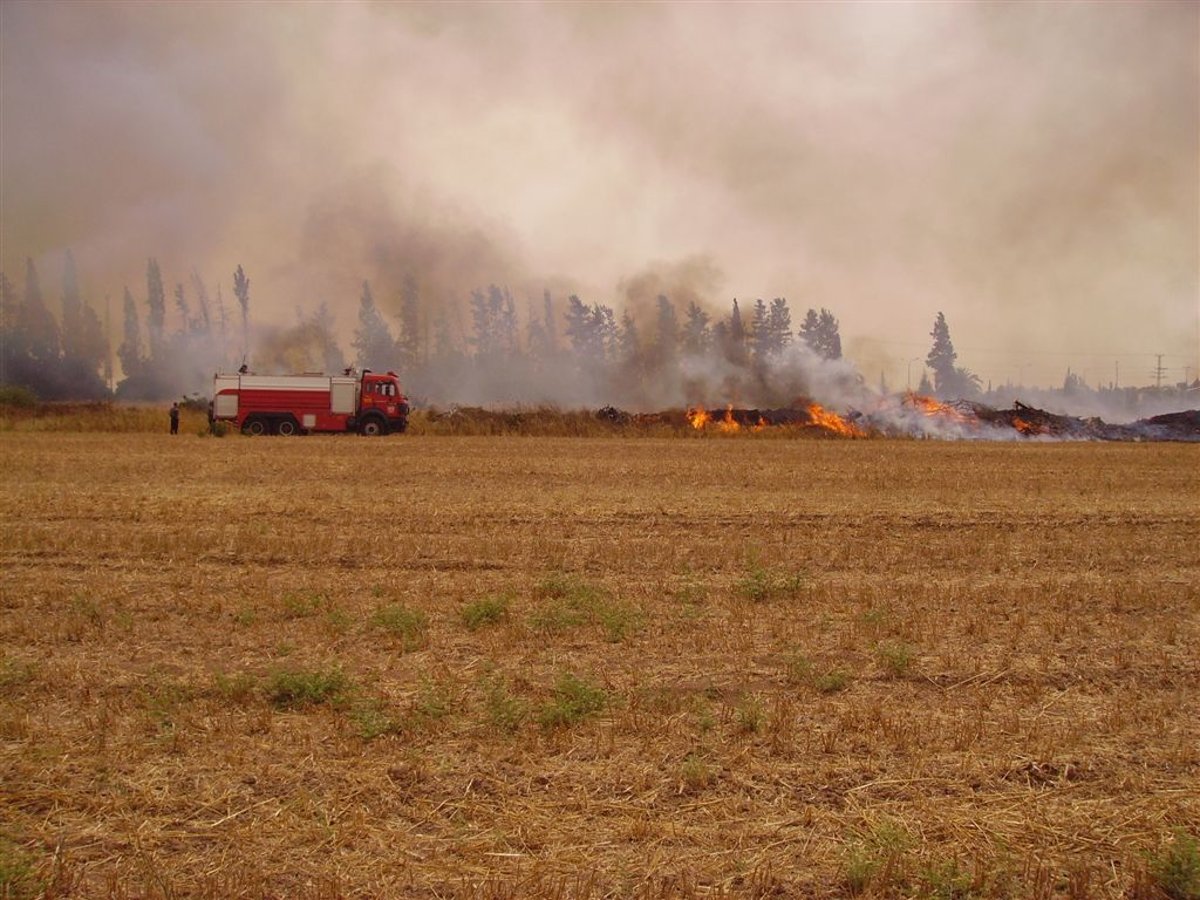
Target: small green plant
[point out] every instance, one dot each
(896, 658)
(618, 620)
(487, 611)
(14, 395)
(245, 617)
(750, 715)
(83, 616)
(162, 699)
(691, 597)
(1175, 869)
(237, 688)
(338, 620)
(568, 602)
(17, 878)
(946, 880)
(302, 606)
(760, 584)
(15, 673)
(876, 617)
(410, 625)
(372, 721)
(574, 700)
(297, 688)
(798, 669)
(433, 701)
(831, 682)
(875, 858)
(504, 711)
(695, 774)
(755, 586)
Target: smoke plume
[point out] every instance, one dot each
(1029, 169)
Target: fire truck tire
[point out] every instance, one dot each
(373, 426)
(256, 426)
(287, 427)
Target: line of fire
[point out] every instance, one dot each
(914, 415)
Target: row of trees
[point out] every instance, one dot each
(72, 359)
(58, 360)
(577, 353)
(568, 351)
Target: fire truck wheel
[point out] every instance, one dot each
(255, 427)
(286, 427)
(372, 427)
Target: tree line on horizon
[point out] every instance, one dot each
(437, 350)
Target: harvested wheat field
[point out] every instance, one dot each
(626, 667)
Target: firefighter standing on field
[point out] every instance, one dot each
(174, 418)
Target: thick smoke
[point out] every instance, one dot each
(1029, 169)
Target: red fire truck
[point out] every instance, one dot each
(369, 403)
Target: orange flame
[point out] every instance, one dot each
(1027, 427)
(931, 407)
(727, 425)
(831, 421)
(698, 417)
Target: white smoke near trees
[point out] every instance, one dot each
(1027, 168)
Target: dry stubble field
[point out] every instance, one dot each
(506, 667)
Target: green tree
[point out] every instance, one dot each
(12, 340)
(186, 323)
(373, 344)
(779, 325)
(409, 342)
(696, 335)
(72, 308)
(925, 388)
(200, 289)
(483, 325)
(734, 348)
(241, 290)
(92, 343)
(548, 318)
(583, 332)
(666, 336)
(810, 331)
(949, 380)
(942, 357)
(37, 324)
(629, 347)
(760, 341)
(156, 317)
(830, 345)
(536, 338)
(130, 350)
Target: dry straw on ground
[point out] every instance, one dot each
(508, 667)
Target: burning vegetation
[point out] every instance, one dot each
(915, 415)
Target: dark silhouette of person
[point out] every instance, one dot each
(174, 418)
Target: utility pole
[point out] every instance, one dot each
(1159, 371)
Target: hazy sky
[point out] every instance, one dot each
(1030, 169)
